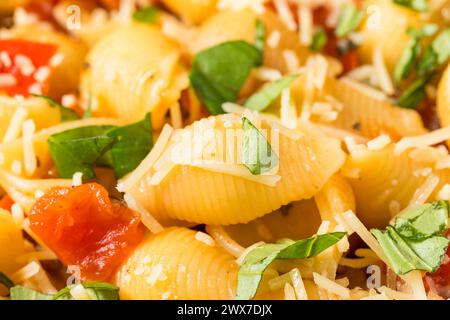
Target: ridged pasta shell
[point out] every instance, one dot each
(192, 11)
(174, 264)
(374, 115)
(196, 195)
(132, 71)
(11, 243)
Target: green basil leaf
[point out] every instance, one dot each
(441, 46)
(319, 39)
(257, 154)
(414, 94)
(147, 15)
(79, 150)
(416, 241)
(264, 98)
(88, 112)
(67, 114)
(133, 144)
(95, 290)
(260, 39)
(218, 73)
(257, 260)
(22, 293)
(417, 5)
(349, 19)
(6, 281)
(425, 221)
(427, 30)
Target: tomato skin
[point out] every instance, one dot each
(439, 281)
(6, 202)
(39, 53)
(86, 229)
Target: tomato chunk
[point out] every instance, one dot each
(439, 282)
(86, 229)
(6, 202)
(25, 67)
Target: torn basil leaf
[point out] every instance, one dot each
(349, 19)
(257, 154)
(133, 144)
(218, 73)
(146, 15)
(95, 291)
(319, 40)
(415, 241)
(437, 53)
(417, 5)
(257, 260)
(22, 293)
(82, 149)
(262, 99)
(67, 114)
(414, 94)
(260, 39)
(6, 281)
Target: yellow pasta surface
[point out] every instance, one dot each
(174, 264)
(196, 195)
(11, 243)
(192, 11)
(374, 115)
(385, 28)
(126, 82)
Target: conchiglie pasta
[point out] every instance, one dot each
(65, 77)
(177, 264)
(366, 114)
(387, 182)
(33, 108)
(298, 220)
(133, 71)
(443, 99)
(240, 25)
(11, 243)
(10, 5)
(385, 28)
(195, 194)
(192, 11)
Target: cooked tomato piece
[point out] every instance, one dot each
(86, 229)
(25, 66)
(6, 202)
(439, 282)
(350, 61)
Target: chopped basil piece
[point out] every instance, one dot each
(319, 39)
(67, 114)
(95, 291)
(349, 19)
(147, 15)
(412, 50)
(416, 240)
(257, 154)
(260, 39)
(82, 149)
(417, 5)
(133, 143)
(264, 98)
(414, 94)
(22, 293)
(6, 281)
(218, 73)
(257, 260)
(435, 54)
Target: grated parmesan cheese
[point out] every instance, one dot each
(289, 293)
(273, 40)
(17, 214)
(379, 142)
(444, 193)
(77, 179)
(78, 292)
(205, 238)
(29, 154)
(285, 14)
(15, 124)
(382, 73)
(422, 141)
(331, 286)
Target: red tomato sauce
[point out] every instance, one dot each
(6, 202)
(85, 228)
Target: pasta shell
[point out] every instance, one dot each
(11, 243)
(174, 264)
(366, 114)
(192, 11)
(198, 195)
(125, 81)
